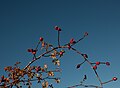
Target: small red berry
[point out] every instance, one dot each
(72, 41)
(98, 63)
(114, 78)
(86, 34)
(107, 63)
(30, 50)
(95, 67)
(41, 39)
(57, 28)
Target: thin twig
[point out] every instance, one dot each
(59, 38)
(90, 65)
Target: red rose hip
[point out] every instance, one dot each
(97, 63)
(57, 28)
(95, 67)
(72, 41)
(107, 63)
(41, 39)
(86, 34)
(114, 78)
(30, 50)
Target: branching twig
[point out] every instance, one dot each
(35, 73)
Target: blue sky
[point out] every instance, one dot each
(22, 22)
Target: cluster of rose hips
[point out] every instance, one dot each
(57, 28)
(98, 63)
(114, 78)
(36, 71)
(72, 41)
(32, 51)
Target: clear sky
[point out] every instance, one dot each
(22, 22)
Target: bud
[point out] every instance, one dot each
(72, 41)
(57, 28)
(86, 34)
(78, 66)
(95, 67)
(98, 63)
(41, 39)
(107, 63)
(114, 78)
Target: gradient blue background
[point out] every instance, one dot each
(22, 22)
